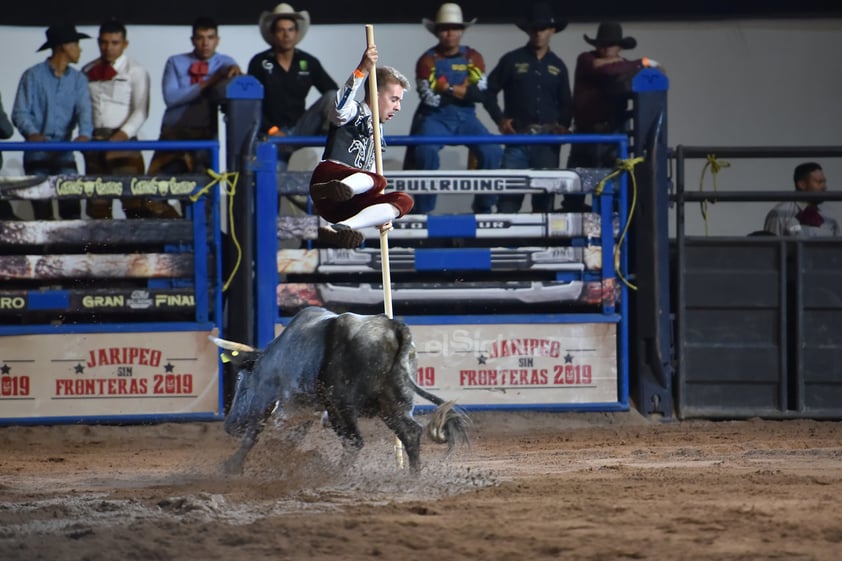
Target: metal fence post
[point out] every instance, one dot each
(243, 106)
(651, 332)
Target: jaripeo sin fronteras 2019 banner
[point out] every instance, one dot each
(106, 375)
(518, 364)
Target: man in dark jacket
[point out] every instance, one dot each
(536, 95)
(287, 75)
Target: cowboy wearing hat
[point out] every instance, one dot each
(52, 100)
(600, 93)
(287, 75)
(536, 96)
(451, 80)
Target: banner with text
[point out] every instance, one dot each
(108, 374)
(518, 364)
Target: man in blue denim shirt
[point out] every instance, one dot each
(52, 100)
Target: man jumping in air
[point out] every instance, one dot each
(346, 190)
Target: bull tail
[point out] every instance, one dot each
(449, 424)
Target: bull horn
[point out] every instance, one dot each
(231, 345)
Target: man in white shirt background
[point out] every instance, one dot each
(119, 89)
(803, 219)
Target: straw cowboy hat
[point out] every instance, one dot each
(283, 10)
(611, 33)
(61, 34)
(448, 14)
(541, 17)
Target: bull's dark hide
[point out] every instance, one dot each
(348, 365)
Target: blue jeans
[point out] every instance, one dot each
(454, 121)
(529, 156)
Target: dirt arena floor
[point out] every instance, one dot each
(592, 486)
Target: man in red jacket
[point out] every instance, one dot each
(600, 92)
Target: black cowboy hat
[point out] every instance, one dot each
(541, 17)
(611, 33)
(61, 34)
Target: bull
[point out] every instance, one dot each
(346, 365)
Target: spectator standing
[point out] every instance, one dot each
(6, 131)
(805, 220)
(600, 93)
(536, 96)
(52, 100)
(119, 89)
(451, 80)
(191, 85)
(288, 74)
(345, 187)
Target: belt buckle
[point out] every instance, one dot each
(534, 129)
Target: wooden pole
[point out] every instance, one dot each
(384, 235)
(375, 108)
(378, 164)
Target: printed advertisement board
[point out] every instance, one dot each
(82, 375)
(518, 364)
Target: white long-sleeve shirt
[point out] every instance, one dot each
(782, 220)
(122, 102)
(345, 109)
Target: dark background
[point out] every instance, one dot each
(240, 12)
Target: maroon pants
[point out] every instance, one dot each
(334, 211)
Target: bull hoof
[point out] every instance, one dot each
(232, 467)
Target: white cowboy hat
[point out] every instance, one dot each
(283, 10)
(448, 14)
